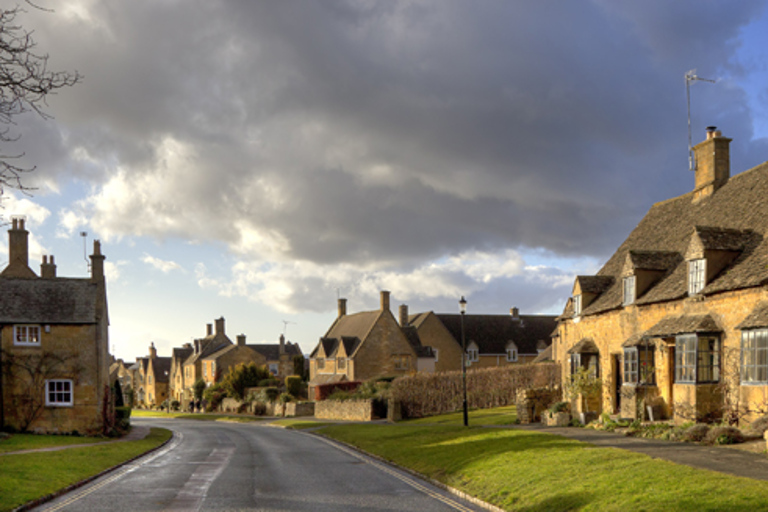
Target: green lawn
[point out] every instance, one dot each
(497, 416)
(141, 413)
(299, 423)
(27, 477)
(530, 471)
(17, 442)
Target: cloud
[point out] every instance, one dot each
(417, 146)
(161, 265)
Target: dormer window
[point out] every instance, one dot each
(511, 353)
(629, 290)
(696, 275)
(576, 305)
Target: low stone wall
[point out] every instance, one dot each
(352, 410)
(531, 403)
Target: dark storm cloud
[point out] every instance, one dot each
(391, 132)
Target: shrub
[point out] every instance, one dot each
(696, 433)
(428, 394)
(259, 408)
(268, 382)
(559, 407)
(241, 377)
(271, 394)
(759, 426)
(175, 405)
(123, 417)
(724, 435)
(294, 385)
(285, 398)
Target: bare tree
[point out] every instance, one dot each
(26, 375)
(25, 83)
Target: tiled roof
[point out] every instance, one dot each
(327, 378)
(654, 260)
(49, 301)
(544, 356)
(208, 346)
(412, 335)
(683, 324)
(271, 351)
(357, 325)
(162, 368)
(757, 318)
(491, 333)
(594, 284)
(734, 218)
(585, 346)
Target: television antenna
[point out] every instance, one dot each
(84, 234)
(691, 76)
(285, 326)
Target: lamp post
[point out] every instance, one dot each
(463, 309)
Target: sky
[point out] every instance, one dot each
(257, 160)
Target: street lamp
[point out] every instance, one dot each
(463, 309)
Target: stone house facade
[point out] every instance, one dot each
(677, 319)
(279, 356)
(363, 346)
(219, 363)
(54, 339)
(491, 340)
(153, 382)
(193, 368)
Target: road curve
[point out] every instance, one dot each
(244, 466)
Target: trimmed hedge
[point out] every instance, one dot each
(429, 394)
(323, 391)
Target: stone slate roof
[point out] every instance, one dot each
(735, 217)
(412, 335)
(271, 351)
(208, 346)
(683, 324)
(327, 378)
(357, 325)
(757, 318)
(544, 356)
(162, 368)
(654, 260)
(491, 333)
(48, 301)
(584, 346)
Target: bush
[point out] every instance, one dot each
(175, 405)
(429, 394)
(268, 383)
(123, 417)
(724, 435)
(294, 385)
(759, 426)
(259, 408)
(696, 433)
(271, 394)
(559, 407)
(241, 377)
(285, 398)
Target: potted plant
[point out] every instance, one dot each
(558, 415)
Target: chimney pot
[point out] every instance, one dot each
(384, 300)
(403, 315)
(342, 307)
(515, 313)
(220, 325)
(713, 167)
(208, 329)
(241, 340)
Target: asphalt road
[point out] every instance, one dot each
(239, 466)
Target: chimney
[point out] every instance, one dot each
(713, 163)
(342, 307)
(152, 351)
(97, 262)
(18, 251)
(403, 315)
(187, 345)
(384, 301)
(241, 340)
(208, 329)
(48, 268)
(514, 313)
(197, 346)
(220, 325)
(282, 345)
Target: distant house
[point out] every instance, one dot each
(279, 356)
(154, 380)
(363, 346)
(217, 364)
(491, 340)
(177, 383)
(678, 316)
(193, 366)
(54, 340)
(119, 373)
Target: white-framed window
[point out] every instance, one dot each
(26, 335)
(341, 363)
(436, 352)
(473, 354)
(273, 368)
(402, 362)
(697, 359)
(58, 393)
(696, 275)
(205, 369)
(320, 362)
(629, 290)
(576, 305)
(754, 357)
(511, 354)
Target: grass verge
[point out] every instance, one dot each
(139, 413)
(18, 442)
(497, 416)
(299, 424)
(530, 471)
(27, 477)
